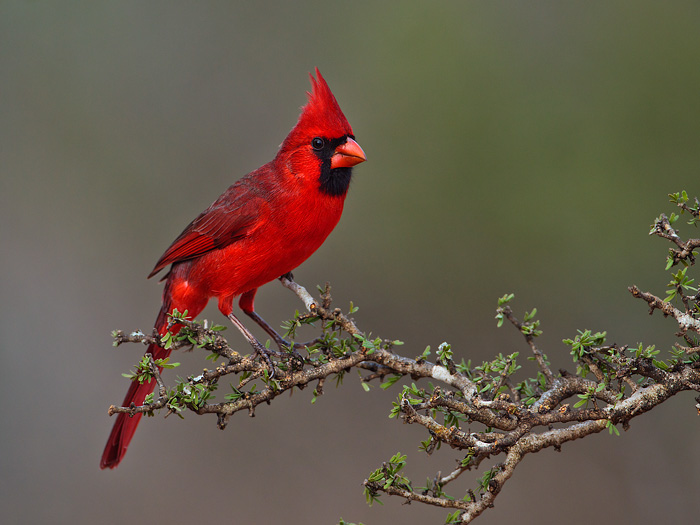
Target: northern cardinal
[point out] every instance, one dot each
(260, 228)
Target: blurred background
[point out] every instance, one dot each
(511, 148)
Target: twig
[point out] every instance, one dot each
(529, 338)
(685, 321)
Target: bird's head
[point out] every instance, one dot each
(322, 145)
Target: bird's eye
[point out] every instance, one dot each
(317, 143)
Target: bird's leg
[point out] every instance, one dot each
(259, 348)
(247, 304)
(277, 338)
(287, 348)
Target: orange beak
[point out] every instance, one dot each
(347, 155)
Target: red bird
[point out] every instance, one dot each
(260, 228)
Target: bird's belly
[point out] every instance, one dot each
(263, 257)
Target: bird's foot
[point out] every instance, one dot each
(265, 353)
(287, 349)
(257, 346)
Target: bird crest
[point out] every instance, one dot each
(321, 116)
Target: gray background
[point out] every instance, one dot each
(511, 147)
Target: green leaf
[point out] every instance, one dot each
(390, 381)
(529, 316)
(612, 428)
(455, 517)
(376, 476)
(669, 262)
(582, 402)
(505, 299)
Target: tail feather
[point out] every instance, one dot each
(125, 426)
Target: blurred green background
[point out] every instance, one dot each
(512, 147)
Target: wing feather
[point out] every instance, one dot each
(228, 220)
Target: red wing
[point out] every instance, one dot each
(224, 222)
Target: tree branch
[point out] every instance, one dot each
(485, 411)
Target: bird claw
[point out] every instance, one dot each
(265, 354)
(288, 351)
(296, 360)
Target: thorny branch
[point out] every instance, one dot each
(529, 333)
(662, 227)
(612, 385)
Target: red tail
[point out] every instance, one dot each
(125, 426)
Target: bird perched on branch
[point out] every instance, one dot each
(260, 228)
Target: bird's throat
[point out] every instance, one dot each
(335, 182)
